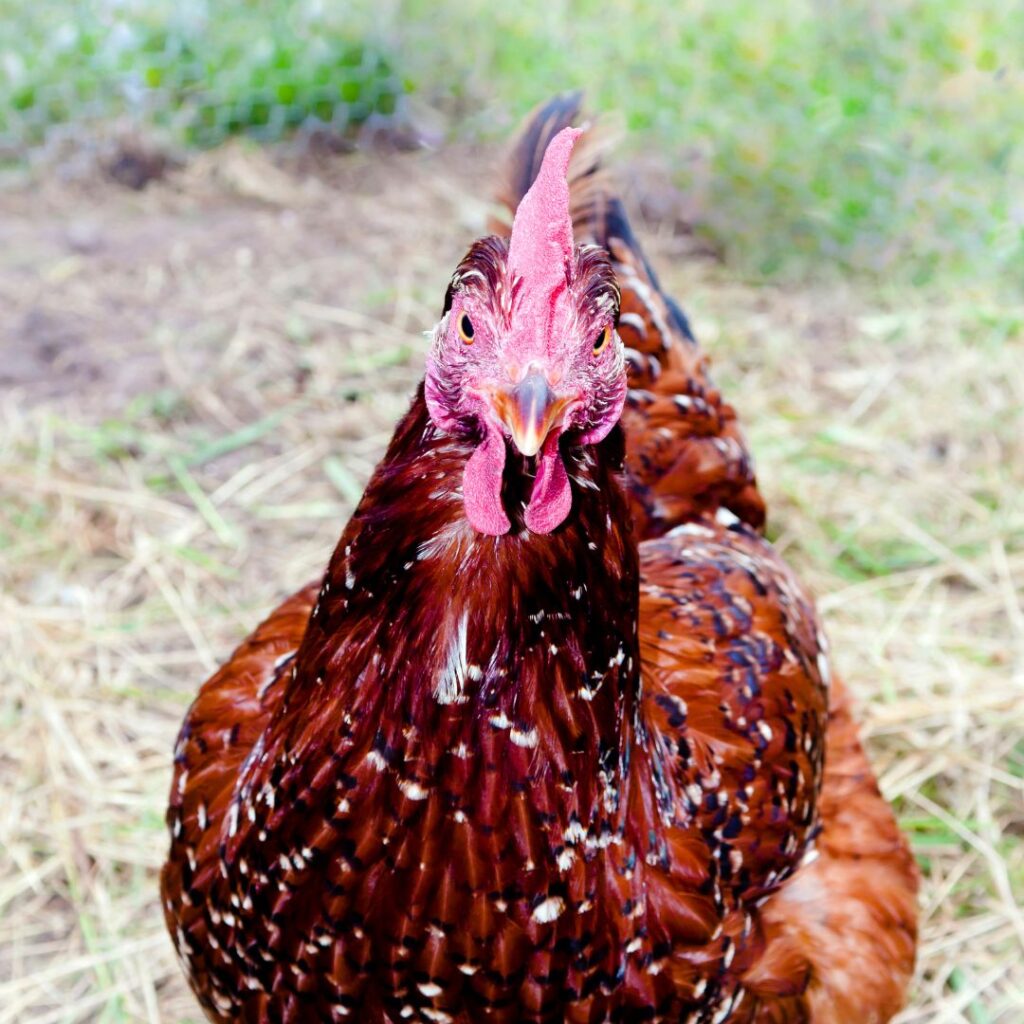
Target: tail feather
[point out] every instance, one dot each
(598, 214)
(540, 128)
(589, 185)
(617, 236)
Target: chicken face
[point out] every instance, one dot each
(527, 352)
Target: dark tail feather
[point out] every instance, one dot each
(615, 225)
(540, 128)
(588, 185)
(597, 212)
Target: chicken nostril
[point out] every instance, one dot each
(533, 392)
(517, 374)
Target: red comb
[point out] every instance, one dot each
(541, 246)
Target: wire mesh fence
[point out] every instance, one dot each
(195, 73)
(882, 139)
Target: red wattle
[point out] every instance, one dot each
(551, 499)
(481, 486)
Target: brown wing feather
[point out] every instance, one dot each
(226, 719)
(685, 451)
(733, 667)
(848, 920)
(736, 685)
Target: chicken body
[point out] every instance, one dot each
(601, 775)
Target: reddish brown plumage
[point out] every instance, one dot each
(566, 777)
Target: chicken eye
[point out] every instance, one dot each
(466, 329)
(602, 340)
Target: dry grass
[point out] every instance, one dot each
(198, 382)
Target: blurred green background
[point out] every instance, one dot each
(814, 137)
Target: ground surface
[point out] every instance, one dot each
(196, 380)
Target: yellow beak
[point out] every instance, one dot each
(530, 410)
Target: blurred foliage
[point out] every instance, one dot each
(886, 137)
(204, 71)
(881, 137)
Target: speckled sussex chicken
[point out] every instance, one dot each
(554, 738)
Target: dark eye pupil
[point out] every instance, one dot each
(466, 326)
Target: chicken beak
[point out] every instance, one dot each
(530, 410)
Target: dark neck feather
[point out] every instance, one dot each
(430, 639)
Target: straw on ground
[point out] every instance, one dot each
(200, 380)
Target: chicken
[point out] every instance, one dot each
(554, 738)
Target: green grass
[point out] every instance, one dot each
(203, 74)
(808, 138)
(883, 138)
